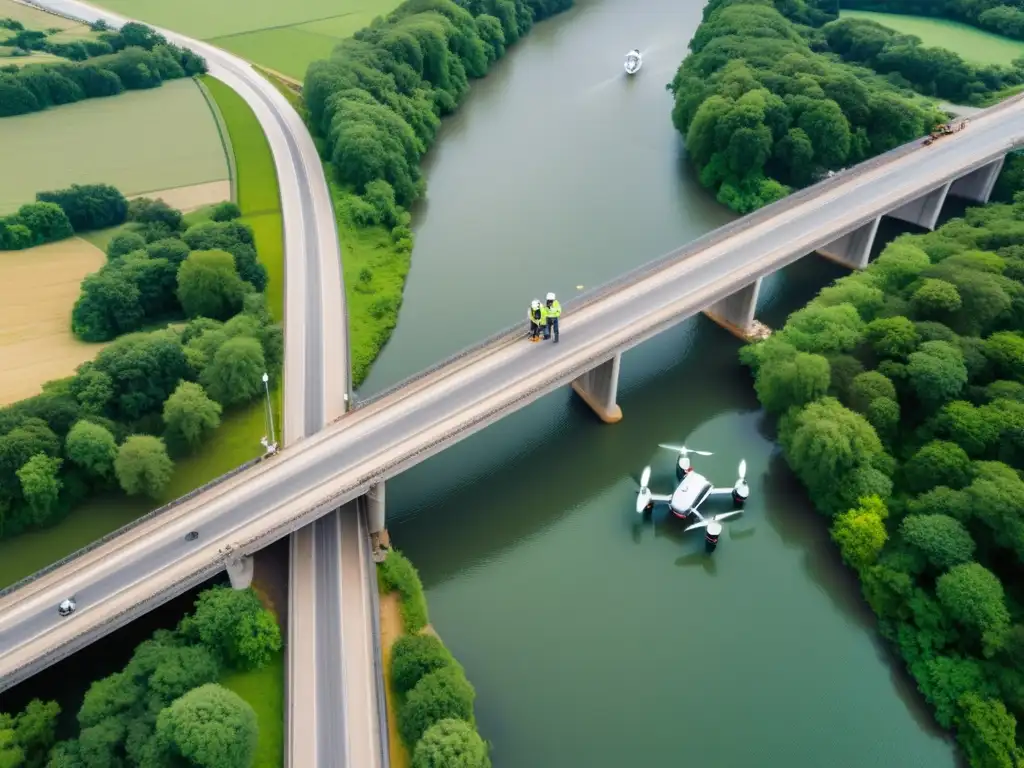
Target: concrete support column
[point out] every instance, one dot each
(373, 503)
(736, 312)
(853, 249)
(599, 388)
(978, 184)
(925, 210)
(240, 572)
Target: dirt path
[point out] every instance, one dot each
(390, 630)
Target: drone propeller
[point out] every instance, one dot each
(682, 450)
(643, 497)
(743, 471)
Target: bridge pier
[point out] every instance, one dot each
(925, 210)
(375, 508)
(599, 388)
(853, 250)
(240, 572)
(979, 183)
(736, 313)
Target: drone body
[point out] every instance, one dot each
(693, 490)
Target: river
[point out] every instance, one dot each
(595, 638)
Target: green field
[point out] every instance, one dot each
(972, 44)
(140, 141)
(33, 18)
(282, 36)
(264, 690)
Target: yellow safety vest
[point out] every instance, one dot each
(555, 310)
(536, 316)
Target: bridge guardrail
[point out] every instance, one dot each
(714, 237)
(133, 524)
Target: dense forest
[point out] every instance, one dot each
(165, 708)
(767, 102)
(900, 397)
(147, 397)
(138, 58)
(999, 16)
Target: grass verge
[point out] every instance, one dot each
(264, 690)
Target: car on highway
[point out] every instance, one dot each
(67, 607)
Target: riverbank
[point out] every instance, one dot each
(413, 655)
(911, 452)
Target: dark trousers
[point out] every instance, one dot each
(534, 329)
(552, 326)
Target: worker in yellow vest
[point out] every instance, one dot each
(553, 312)
(538, 319)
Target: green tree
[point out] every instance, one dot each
(89, 206)
(125, 243)
(36, 731)
(413, 657)
(226, 211)
(869, 386)
(143, 466)
(235, 374)
(944, 540)
(937, 372)
(987, 732)
(233, 624)
(826, 445)
(860, 532)
(973, 595)
(109, 305)
(92, 447)
(438, 696)
(936, 298)
(208, 727)
(11, 753)
(209, 285)
(41, 486)
(798, 380)
(1006, 352)
(892, 337)
(47, 222)
(937, 463)
(190, 415)
(451, 744)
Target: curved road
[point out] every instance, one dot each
(317, 385)
(420, 418)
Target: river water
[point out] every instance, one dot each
(595, 638)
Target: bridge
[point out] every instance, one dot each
(352, 458)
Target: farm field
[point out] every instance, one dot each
(140, 141)
(38, 288)
(284, 37)
(33, 18)
(974, 45)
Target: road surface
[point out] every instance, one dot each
(423, 416)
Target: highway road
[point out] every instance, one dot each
(317, 384)
(421, 417)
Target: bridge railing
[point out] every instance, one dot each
(133, 524)
(519, 330)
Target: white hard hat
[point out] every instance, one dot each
(535, 304)
(551, 297)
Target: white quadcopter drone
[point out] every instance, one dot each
(693, 490)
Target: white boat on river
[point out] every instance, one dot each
(633, 62)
